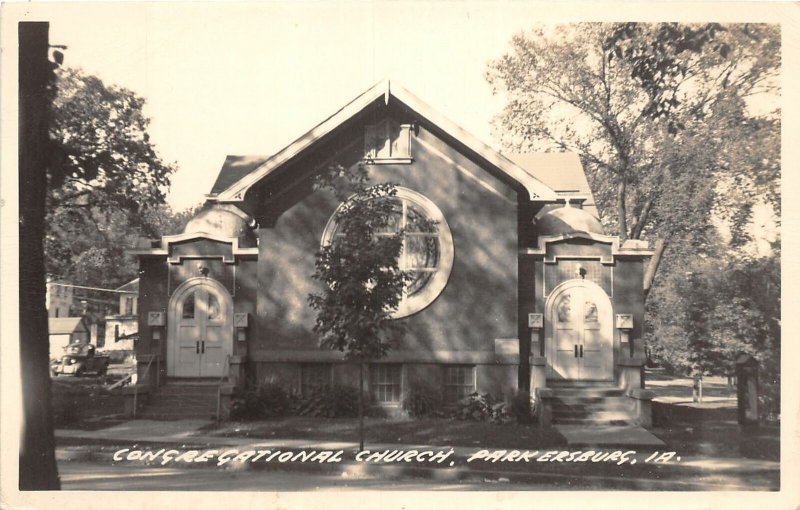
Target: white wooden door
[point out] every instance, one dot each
(217, 334)
(202, 315)
(581, 333)
(566, 330)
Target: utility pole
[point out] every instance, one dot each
(37, 462)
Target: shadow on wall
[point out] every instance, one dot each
(477, 305)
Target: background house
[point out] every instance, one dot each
(66, 331)
(58, 298)
(121, 329)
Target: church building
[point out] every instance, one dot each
(517, 288)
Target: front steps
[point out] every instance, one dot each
(590, 404)
(179, 400)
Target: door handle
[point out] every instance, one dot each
(576, 350)
(581, 351)
(197, 347)
(203, 351)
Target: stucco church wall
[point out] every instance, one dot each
(153, 296)
(479, 302)
(628, 294)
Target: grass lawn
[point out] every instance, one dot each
(722, 438)
(84, 402)
(427, 431)
(672, 388)
(709, 427)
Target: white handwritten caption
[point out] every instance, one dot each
(222, 457)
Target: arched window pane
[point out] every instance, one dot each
(213, 307)
(417, 221)
(395, 221)
(188, 307)
(564, 309)
(419, 282)
(590, 312)
(422, 252)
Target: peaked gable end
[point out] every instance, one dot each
(241, 174)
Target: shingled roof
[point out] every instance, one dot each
(65, 325)
(233, 169)
(562, 171)
(132, 287)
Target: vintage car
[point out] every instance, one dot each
(80, 359)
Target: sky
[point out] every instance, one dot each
(249, 79)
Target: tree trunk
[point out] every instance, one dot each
(652, 266)
(622, 211)
(361, 407)
(37, 462)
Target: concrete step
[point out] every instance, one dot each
(175, 416)
(580, 384)
(575, 411)
(591, 422)
(590, 403)
(592, 415)
(188, 390)
(178, 407)
(562, 392)
(615, 403)
(582, 399)
(181, 399)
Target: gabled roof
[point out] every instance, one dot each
(240, 173)
(562, 171)
(234, 169)
(65, 325)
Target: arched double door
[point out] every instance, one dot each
(580, 333)
(201, 329)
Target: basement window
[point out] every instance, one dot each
(459, 382)
(387, 383)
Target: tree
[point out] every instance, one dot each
(628, 98)
(670, 124)
(87, 166)
(106, 185)
(362, 284)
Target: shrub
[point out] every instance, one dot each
(482, 407)
(423, 400)
(335, 401)
(268, 400)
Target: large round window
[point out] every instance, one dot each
(427, 248)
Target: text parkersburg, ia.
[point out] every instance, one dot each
(432, 457)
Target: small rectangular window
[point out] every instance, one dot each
(387, 383)
(387, 142)
(459, 382)
(315, 375)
